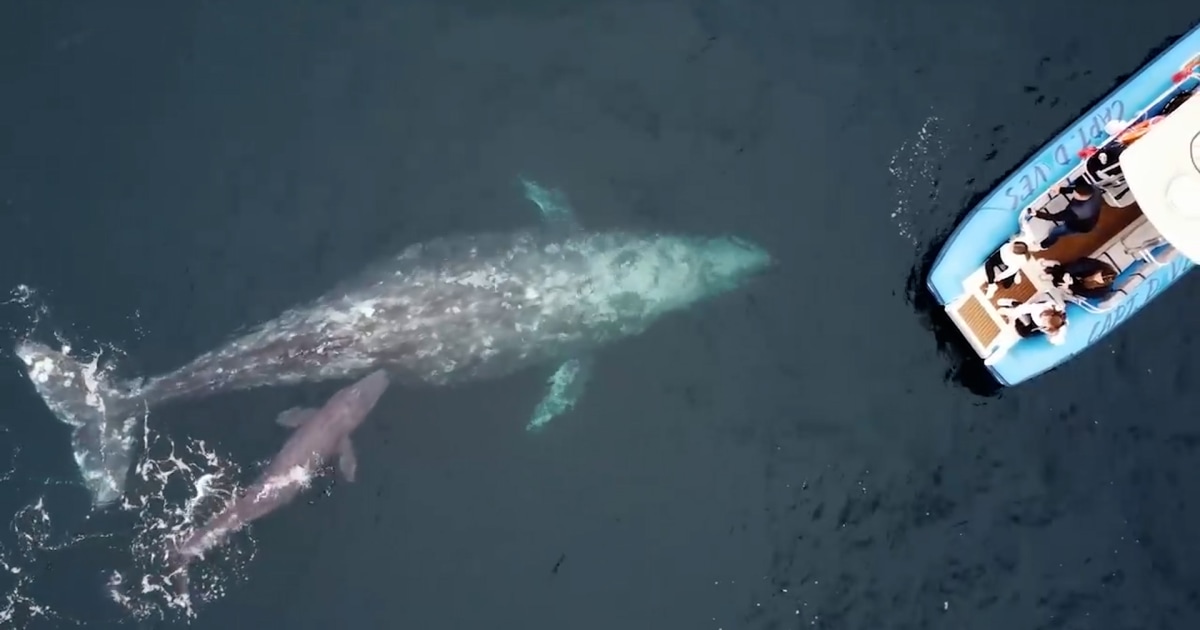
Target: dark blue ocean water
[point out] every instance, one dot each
(795, 454)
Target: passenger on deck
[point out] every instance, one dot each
(1081, 214)
(1041, 316)
(1033, 230)
(1003, 266)
(1085, 278)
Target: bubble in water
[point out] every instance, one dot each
(35, 540)
(915, 168)
(26, 300)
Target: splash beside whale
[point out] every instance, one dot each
(449, 310)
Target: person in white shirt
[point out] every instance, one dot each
(1044, 315)
(1003, 267)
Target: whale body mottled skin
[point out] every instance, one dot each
(319, 435)
(446, 311)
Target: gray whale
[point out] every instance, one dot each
(450, 310)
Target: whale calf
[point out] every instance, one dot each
(449, 310)
(319, 434)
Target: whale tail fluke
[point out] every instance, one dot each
(104, 420)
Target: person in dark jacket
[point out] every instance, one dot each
(1086, 278)
(1080, 216)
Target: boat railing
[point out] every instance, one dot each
(1157, 250)
(1155, 255)
(1146, 249)
(1114, 186)
(1164, 96)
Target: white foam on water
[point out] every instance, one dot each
(34, 541)
(25, 299)
(173, 488)
(915, 170)
(178, 486)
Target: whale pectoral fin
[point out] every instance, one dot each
(294, 417)
(566, 386)
(347, 460)
(556, 210)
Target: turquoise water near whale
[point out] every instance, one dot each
(792, 454)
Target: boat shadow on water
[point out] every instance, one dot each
(965, 368)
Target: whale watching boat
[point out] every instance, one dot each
(1135, 156)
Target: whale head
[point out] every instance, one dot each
(638, 279)
(724, 263)
(698, 268)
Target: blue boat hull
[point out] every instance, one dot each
(994, 219)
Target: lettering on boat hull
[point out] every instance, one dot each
(1147, 291)
(1034, 177)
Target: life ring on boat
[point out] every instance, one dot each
(1189, 67)
(1137, 131)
